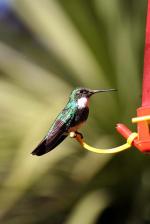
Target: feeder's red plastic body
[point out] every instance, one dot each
(143, 127)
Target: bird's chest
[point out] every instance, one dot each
(83, 110)
(79, 118)
(81, 115)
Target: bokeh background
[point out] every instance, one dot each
(47, 48)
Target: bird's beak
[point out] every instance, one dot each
(101, 90)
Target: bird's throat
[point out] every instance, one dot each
(83, 102)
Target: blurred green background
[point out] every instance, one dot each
(47, 48)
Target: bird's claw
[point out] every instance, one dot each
(75, 134)
(80, 134)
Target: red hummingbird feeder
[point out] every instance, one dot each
(142, 142)
(141, 139)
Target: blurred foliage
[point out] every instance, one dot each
(47, 48)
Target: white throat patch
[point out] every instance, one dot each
(82, 102)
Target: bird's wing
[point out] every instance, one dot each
(57, 132)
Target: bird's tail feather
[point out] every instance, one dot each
(45, 146)
(40, 149)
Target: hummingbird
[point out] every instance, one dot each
(70, 119)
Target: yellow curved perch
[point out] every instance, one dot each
(123, 147)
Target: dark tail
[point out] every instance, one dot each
(45, 146)
(40, 149)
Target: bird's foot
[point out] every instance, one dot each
(76, 134)
(80, 134)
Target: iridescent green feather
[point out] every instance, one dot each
(66, 116)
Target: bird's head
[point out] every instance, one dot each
(81, 92)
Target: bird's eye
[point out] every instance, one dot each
(83, 91)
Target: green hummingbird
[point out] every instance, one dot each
(70, 119)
